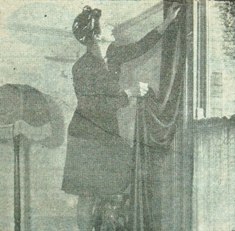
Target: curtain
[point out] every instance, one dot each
(214, 175)
(155, 126)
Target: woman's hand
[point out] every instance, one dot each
(172, 12)
(31, 132)
(144, 87)
(138, 90)
(171, 16)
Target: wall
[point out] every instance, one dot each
(37, 48)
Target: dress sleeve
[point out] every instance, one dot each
(117, 97)
(125, 53)
(89, 83)
(120, 100)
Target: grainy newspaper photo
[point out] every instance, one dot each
(117, 115)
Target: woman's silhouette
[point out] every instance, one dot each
(98, 161)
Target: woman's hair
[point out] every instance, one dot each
(86, 25)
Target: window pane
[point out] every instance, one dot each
(221, 62)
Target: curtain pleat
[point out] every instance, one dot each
(157, 115)
(156, 121)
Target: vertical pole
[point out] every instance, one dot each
(17, 189)
(17, 204)
(27, 182)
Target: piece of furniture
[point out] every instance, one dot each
(6, 133)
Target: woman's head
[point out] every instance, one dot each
(86, 27)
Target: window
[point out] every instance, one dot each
(214, 58)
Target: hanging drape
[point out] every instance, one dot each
(155, 126)
(214, 174)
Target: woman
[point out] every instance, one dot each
(98, 161)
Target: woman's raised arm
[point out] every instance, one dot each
(125, 53)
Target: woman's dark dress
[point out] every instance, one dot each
(98, 160)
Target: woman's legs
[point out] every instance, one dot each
(85, 210)
(109, 213)
(114, 212)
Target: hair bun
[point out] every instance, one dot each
(86, 9)
(83, 27)
(96, 14)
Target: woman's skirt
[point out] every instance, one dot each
(97, 167)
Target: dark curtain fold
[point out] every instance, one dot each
(156, 122)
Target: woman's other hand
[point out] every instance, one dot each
(138, 90)
(144, 87)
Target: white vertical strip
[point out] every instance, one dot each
(208, 110)
(195, 55)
